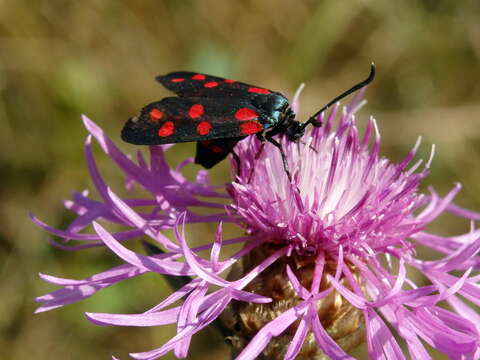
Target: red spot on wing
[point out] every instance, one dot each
(198, 77)
(204, 128)
(210, 84)
(196, 111)
(211, 146)
(166, 129)
(216, 149)
(250, 127)
(258, 90)
(155, 115)
(229, 81)
(245, 114)
(175, 80)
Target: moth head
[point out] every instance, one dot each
(294, 130)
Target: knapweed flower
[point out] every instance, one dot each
(322, 265)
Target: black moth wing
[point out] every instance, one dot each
(177, 119)
(190, 84)
(211, 152)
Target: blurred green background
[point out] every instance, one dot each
(61, 58)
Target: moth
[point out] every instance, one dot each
(217, 113)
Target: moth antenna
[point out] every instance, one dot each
(312, 120)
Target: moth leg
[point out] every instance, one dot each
(237, 161)
(260, 149)
(257, 155)
(282, 153)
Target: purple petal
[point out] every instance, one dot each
(299, 289)
(298, 339)
(274, 328)
(169, 316)
(194, 263)
(139, 222)
(203, 320)
(160, 264)
(324, 341)
(76, 290)
(188, 314)
(380, 341)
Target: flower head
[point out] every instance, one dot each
(343, 193)
(323, 263)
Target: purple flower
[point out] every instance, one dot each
(323, 263)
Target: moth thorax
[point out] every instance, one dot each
(343, 322)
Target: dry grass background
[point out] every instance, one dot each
(61, 58)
